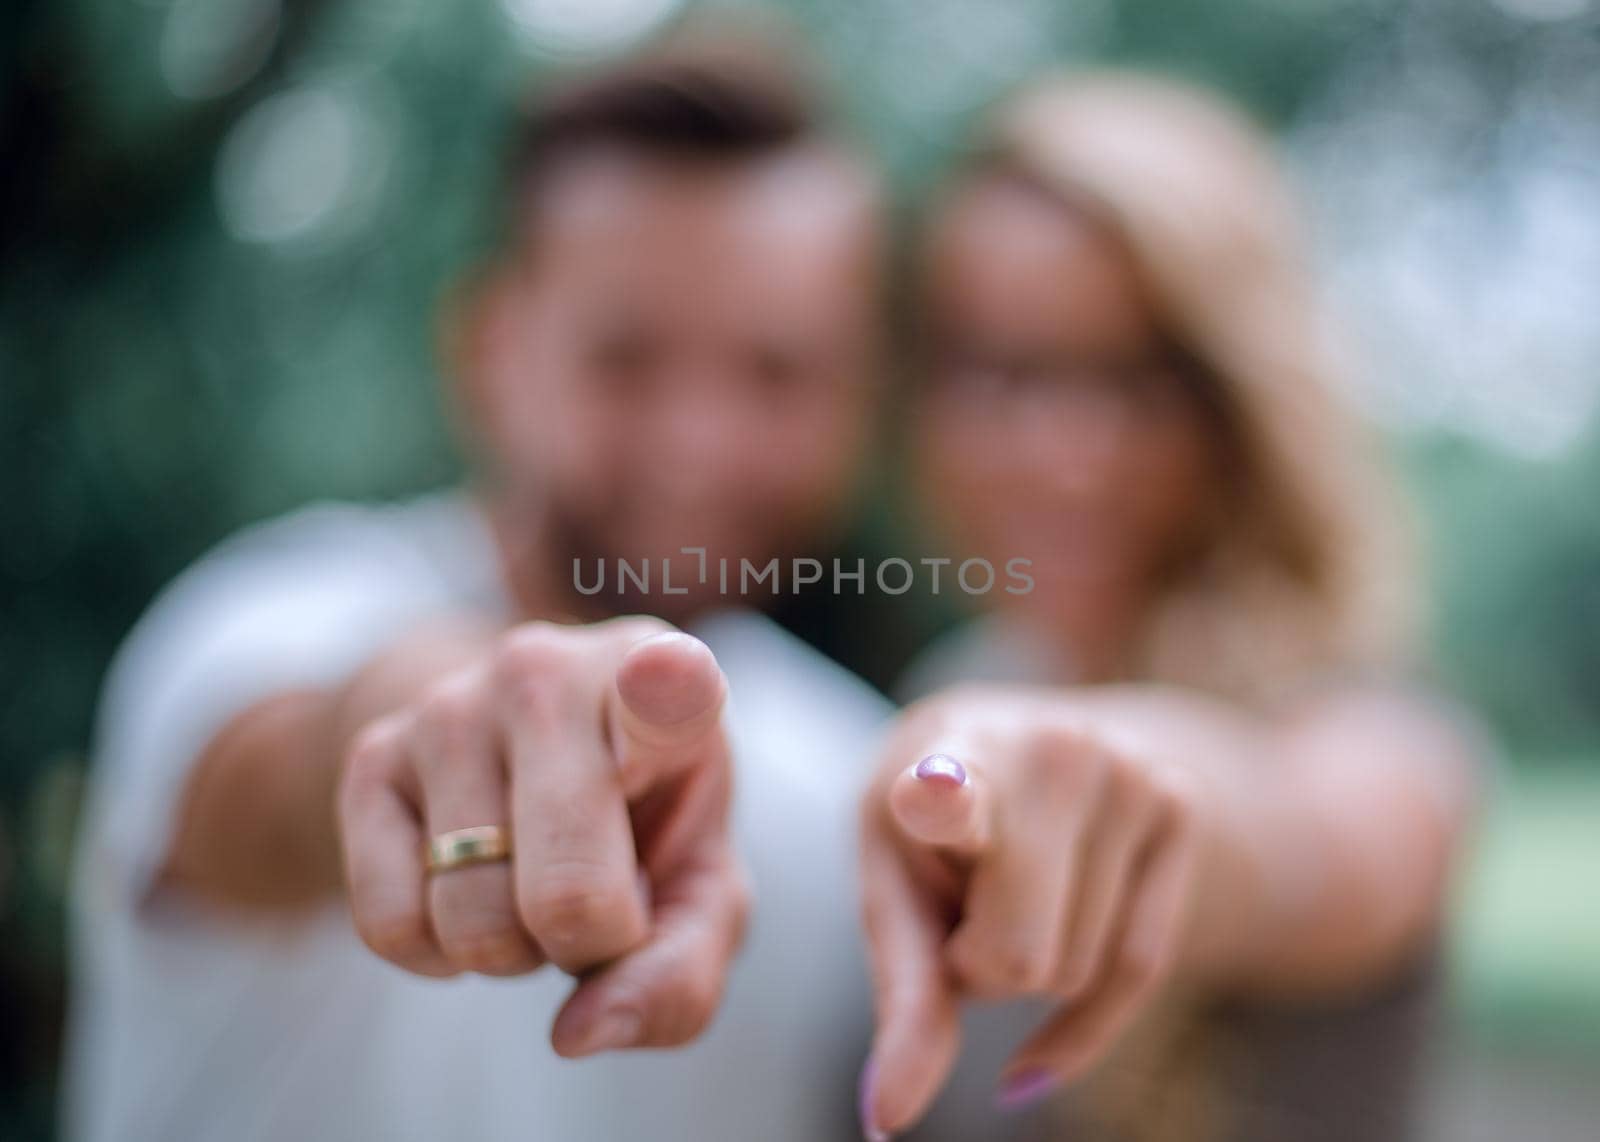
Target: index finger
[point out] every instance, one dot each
(944, 803)
(574, 864)
(918, 1026)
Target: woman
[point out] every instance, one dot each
(1217, 822)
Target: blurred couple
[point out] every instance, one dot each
(391, 821)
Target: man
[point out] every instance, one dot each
(674, 350)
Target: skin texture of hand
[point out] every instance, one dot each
(602, 750)
(1023, 858)
(1089, 845)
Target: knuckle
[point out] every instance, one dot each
(1130, 789)
(1179, 798)
(567, 903)
(633, 628)
(1141, 965)
(1060, 759)
(395, 937)
(453, 701)
(486, 951)
(1001, 969)
(366, 762)
(475, 921)
(701, 994)
(533, 662)
(1019, 969)
(370, 749)
(1055, 737)
(532, 650)
(687, 1007)
(449, 715)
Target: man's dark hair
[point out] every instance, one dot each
(696, 97)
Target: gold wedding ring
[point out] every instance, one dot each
(481, 844)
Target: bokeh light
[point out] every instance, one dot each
(301, 164)
(585, 27)
(210, 47)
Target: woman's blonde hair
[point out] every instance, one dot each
(1306, 569)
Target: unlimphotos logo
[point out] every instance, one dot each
(777, 576)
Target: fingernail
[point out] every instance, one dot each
(618, 1027)
(1025, 1088)
(869, 1086)
(941, 767)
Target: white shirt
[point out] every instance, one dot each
(187, 1025)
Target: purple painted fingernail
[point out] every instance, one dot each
(1025, 1088)
(870, 1130)
(942, 767)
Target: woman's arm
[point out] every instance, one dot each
(1333, 831)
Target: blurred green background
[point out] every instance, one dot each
(225, 226)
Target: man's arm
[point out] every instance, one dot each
(255, 826)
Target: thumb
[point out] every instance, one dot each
(667, 992)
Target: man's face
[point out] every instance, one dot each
(684, 359)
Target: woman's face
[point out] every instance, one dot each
(1055, 425)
